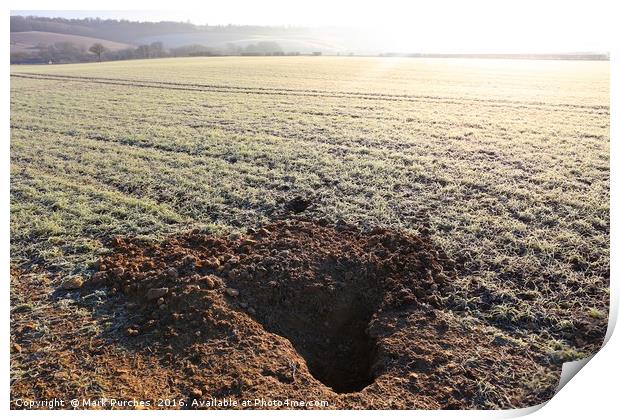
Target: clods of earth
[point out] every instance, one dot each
(303, 310)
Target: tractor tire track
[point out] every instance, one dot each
(308, 93)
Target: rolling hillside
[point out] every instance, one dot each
(28, 41)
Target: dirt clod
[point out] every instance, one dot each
(132, 332)
(72, 283)
(210, 282)
(195, 393)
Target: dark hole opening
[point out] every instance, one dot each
(330, 334)
(345, 365)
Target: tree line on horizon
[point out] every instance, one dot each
(67, 52)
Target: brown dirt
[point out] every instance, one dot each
(297, 310)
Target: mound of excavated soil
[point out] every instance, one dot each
(307, 311)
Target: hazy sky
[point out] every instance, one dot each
(441, 26)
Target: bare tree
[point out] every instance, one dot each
(156, 49)
(97, 49)
(143, 51)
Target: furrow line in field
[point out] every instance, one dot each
(342, 148)
(100, 138)
(309, 93)
(419, 121)
(90, 181)
(411, 123)
(201, 155)
(96, 188)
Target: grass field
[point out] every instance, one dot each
(505, 161)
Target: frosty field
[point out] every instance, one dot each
(502, 164)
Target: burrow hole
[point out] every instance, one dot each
(329, 330)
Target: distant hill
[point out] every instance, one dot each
(226, 39)
(122, 31)
(26, 42)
